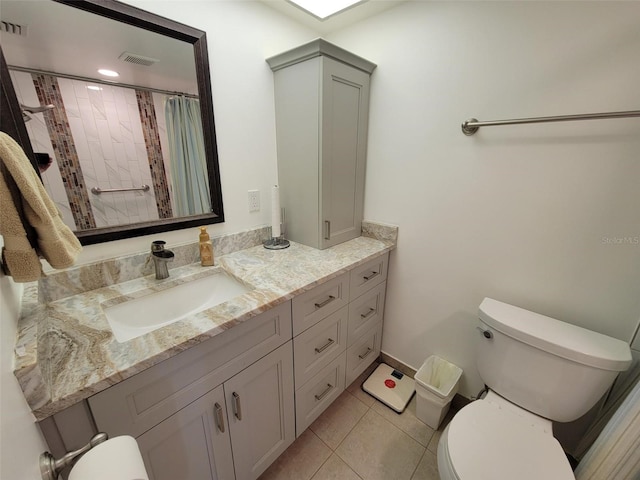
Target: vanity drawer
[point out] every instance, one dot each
(368, 275)
(365, 311)
(362, 353)
(314, 348)
(317, 394)
(314, 305)
(138, 403)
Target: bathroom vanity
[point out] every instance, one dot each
(222, 394)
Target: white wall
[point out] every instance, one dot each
(240, 36)
(524, 214)
(20, 441)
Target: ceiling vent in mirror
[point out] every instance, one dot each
(13, 28)
(137, 59)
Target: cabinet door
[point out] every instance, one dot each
(345, 111)
(261, 412)
(192, 444)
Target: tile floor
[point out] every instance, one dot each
(359, 438)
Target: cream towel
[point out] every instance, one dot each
(18, 256)
(55, 241)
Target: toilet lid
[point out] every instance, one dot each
(487, 442)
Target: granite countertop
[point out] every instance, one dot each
(66, 351)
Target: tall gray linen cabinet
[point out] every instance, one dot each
(322, 109)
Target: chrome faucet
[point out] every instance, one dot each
(161, 258)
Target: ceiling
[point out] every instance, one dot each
(341, 20)
(67, 40)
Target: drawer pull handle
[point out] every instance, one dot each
(321, 349)
(326, 302)
(237, 409)
(324, 394)
(370, 276)
(219, 417)
(327, 230)
(368, 314)
(365, 354)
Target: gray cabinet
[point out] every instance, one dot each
(337, 328)
(223, 409)
(193, 443)
(226, 408)
(367, 289)
(322, 109)
(261, 412)
(253, 411)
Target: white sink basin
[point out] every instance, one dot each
(145, 314)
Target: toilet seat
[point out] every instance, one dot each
(486, 441)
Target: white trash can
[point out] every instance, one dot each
(436, 384)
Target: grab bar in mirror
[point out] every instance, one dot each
(98, 190)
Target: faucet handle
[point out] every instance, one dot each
(158, 245)
(166, 255)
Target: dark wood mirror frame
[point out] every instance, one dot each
(11, 117)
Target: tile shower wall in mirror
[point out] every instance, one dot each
(100, 136)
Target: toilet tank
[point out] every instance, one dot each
(546, 366)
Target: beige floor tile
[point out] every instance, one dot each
(377, 450)
(300, 461)
(433, 443)
(355, 388)
(427, 468)
(406, 421)
(337, 421)
(335, 469)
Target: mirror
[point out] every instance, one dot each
(131, 157)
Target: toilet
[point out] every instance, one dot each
(537, 370)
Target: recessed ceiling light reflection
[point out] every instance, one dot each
(93, 87)
(108, 73)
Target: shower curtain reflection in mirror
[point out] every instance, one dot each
(188, 165)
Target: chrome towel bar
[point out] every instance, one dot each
(98, 190)
(472, 125)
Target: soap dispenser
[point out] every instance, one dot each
(206, 248)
